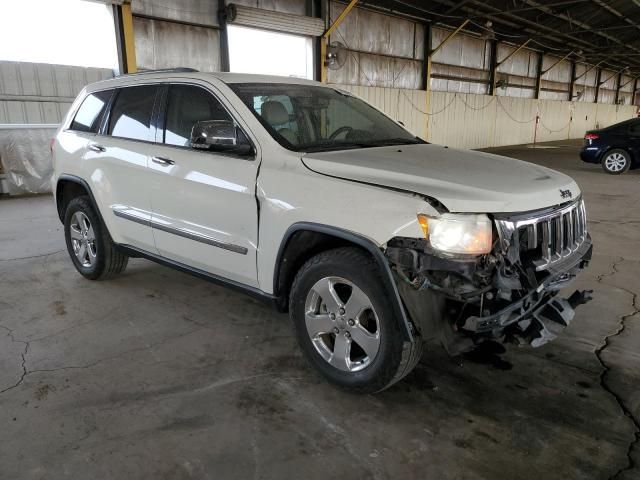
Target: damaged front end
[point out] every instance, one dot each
(510, 294)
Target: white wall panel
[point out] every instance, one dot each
(515, 121)
(459, 120)
(480, 121)
(583, 118)
(555, 119)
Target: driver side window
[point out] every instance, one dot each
(186, 106)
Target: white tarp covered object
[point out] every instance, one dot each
(25, 158)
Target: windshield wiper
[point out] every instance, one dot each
(326, 146)
(347, 145)
(394, 141)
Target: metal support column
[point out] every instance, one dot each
(572, 82)
(316, 8)
(426, 63)
(618, 82)
(493, 66)
(224, 37)
(598, 77)
(539, 74)
(125, 39)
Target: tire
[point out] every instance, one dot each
(99, 260)
(352, 283)
(616, 161)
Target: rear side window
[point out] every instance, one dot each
(635, 127)
(131, 113)
(87, 118)
(187, 106)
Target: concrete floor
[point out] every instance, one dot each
(160, 375)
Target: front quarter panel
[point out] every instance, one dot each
(289, 193)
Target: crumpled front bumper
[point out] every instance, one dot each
(541, 315)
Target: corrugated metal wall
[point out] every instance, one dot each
(296, 7)
(386, 51)
(459, 62)
(383, 51)
(161, 44)
(479, 121)
(555, 83)
(168, 34)
(585, 84)
(186, 34)
(41, 93)
(517, 73)
(406, 106)
(198, 12)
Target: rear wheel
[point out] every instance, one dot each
(345, 324)
(90, 247)
(616, 161)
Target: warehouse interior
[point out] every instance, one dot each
(157, 374)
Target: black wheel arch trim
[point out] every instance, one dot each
(362, 242)
(83, 183)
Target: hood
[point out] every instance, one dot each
(462, 180)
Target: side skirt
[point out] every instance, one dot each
(196, 272)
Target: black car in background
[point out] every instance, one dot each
(616, 148)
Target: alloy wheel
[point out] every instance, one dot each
(615, 162)
(83, 239)
(342, 324)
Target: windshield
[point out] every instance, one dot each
(307, 118)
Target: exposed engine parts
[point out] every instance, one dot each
(501, 295)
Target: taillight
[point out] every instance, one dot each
(591, 136)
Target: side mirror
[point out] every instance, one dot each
(220, 136)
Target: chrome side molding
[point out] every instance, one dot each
(145, 219)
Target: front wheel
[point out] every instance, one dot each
(345, 324)
(89, 244)
(616, 161)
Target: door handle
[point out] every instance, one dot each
(97, 148)
(162, 161)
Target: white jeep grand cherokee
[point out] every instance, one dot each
(302, 194)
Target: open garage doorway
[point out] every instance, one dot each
(253, 50)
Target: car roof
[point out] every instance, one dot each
(621, 125)
(226, 77)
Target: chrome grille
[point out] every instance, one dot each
(549, 237)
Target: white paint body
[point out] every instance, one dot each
(250, 204)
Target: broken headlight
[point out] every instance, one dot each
(458, 233)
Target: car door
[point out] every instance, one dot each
(121, 154)
(634, 139)
(205, 213)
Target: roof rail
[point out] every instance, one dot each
(163, 70)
